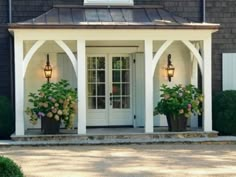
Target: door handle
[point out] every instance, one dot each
(111, 98)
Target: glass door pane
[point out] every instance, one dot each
(96, 83)
(120, 83)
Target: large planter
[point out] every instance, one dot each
(176, 124)
(50, 125)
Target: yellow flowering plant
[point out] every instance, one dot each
(180, 101)
(54, 101)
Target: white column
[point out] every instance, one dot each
(207, 85)
(81, 86)
(19, 87)
(148, 86)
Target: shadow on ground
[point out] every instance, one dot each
(126, 160)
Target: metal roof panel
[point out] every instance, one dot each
(82, 17)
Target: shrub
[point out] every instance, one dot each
(6, 118)
(8, 168)
(224, 112)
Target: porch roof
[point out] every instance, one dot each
(103, 17)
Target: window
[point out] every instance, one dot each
(229, 74)
(108, 2)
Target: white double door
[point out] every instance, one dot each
(109, 90)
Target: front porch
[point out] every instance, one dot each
(151, 43)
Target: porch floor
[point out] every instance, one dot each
(111, 136)
(110, 131)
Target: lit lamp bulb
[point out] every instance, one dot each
(48, 70)
(170, 68)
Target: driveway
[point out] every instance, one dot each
(178, 160)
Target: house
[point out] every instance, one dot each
(115, 54)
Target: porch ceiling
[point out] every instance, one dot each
(88, 17)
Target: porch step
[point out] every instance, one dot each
(73, 139)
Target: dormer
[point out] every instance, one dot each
(109, 2)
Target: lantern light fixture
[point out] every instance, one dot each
(170, 68)
(48, 69)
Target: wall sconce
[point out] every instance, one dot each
(48, 69)
(170, 68)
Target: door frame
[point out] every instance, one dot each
(108, 80)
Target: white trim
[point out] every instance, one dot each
(148, 86)
(159, 54)
(69, 54)
(81, 86)
(195, 52)
(115, 34)
(19, 87)
(207, 85)
(30, 53)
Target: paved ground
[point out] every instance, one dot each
(126, 160)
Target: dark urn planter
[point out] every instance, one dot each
(177, 124)
(50, 125)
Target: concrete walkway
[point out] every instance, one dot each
(165, 160)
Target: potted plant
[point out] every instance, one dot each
(53, 103)
(179, 103)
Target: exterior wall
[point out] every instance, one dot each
(4, 51)
(190, 9)
(223, 12)
(27, 9)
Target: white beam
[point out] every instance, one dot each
(195, 52)
(207, 85)
(81, 86)
(158, 55)
(69, 53)
(30, 53)
(114, 34)
(19, 87)
(148, 86)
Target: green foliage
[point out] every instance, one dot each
(6, 118)
(54, 100)
(179, 100)
(224, 112)
(8, 168)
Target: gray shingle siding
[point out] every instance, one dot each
(184, 8)
(223, 12)
(4, 51)
(27, 9)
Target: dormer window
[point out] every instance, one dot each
(109, 2)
